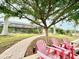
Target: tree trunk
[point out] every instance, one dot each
(5, 28)
(46, 34)
(54, 29)
(43, 31)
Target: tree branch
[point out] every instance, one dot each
(32, 21)
(62, 19)
(61, 14)
(26, 16)
(49, 10)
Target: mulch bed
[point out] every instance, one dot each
(32, 48)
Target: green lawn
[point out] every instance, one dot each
(60, 36)
(7, 41)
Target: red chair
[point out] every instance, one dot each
(43, 51)
(64, 52)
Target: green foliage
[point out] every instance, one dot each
(39, 9)
(62, 31)
(5, 10)
(74, 15)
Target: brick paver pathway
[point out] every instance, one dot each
(18, 50)
(35, 56)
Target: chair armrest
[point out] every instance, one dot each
(43, 55)
(61, 48)
(53, 48)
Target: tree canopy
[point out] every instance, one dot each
(43, 10)
(40, 11)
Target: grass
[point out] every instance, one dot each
(7, 41)
(60, 36)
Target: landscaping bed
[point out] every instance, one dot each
(32, 48)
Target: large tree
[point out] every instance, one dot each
(42, 11)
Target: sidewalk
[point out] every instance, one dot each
(18, 50)
(35, 56)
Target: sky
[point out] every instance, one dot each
(67, 25)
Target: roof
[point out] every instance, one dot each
(20, 25)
